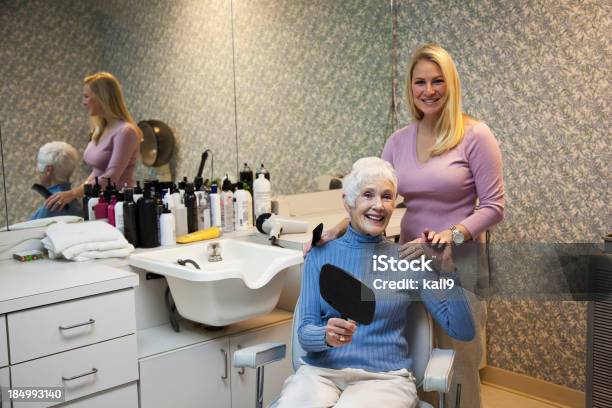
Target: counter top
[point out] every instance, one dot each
(160, 339)
(36, 283)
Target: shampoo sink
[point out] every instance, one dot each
(247, 281)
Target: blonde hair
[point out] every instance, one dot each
(450, 127)
(107, 91)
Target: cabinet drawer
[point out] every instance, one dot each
(47, 330)
(124, 397)
(111, 363)
(4, 377)
(3, 343)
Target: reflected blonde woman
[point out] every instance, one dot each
(115, 138)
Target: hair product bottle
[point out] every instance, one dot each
(148, 222)
(87, 189)
(246, 176)
(119, 223)
(243, 205)
(215, 207)
(264, 171)
(227, 209)
(91, 203)
(111, 210)
(137, 192)
(203, 209)
(167, 227)
(191, 202)
(180, 217)
(101, 209)
(261, 195)
(130, 218)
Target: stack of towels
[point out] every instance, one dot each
(85, 241)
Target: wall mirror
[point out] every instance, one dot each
(174, 60)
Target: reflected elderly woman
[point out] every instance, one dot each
(351, 366)
(55, 164)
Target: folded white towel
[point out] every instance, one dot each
(113, 253)
(64, 236)
(86, 241)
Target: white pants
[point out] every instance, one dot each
(315, 387)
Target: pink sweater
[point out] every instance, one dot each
(443, 191)
(114, 156)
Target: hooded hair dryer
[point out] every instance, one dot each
(273, 226)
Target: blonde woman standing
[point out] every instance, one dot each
(113, 149)
(449, 172)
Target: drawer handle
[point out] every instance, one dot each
(224, 376)
(241, 371)
(74, 377)
(90, 321)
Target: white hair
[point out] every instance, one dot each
(365, 170)
(62, 156)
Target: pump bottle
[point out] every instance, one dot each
(130, 218)
(148, 222)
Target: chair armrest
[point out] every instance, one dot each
(439, 371)
(259, 355)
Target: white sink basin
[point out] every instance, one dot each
(246, 283)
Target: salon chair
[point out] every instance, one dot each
(432, 367)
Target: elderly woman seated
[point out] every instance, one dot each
(55, 164)
(367, 365)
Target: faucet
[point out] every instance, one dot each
(214, 252)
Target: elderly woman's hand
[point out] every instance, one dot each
(439, 249)
(339, 332)
(59, 200)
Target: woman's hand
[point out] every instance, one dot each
(339, 332)
(328, 235)
(436, 246)
(60, 200)
(411, 250)
(439, 249)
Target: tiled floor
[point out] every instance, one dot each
(497, 398)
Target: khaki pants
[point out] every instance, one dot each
(468, 357)
(315, 387)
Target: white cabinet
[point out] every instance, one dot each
(194, 376)
(123, 397)
(4, 383)
(4, 360)
(275, 374)
(82, 371)
(87, 346)
(69, 325)
(203, 375)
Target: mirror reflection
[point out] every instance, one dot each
(173, 60)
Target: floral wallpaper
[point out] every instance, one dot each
(313, 87)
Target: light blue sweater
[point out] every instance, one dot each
(381, 345)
